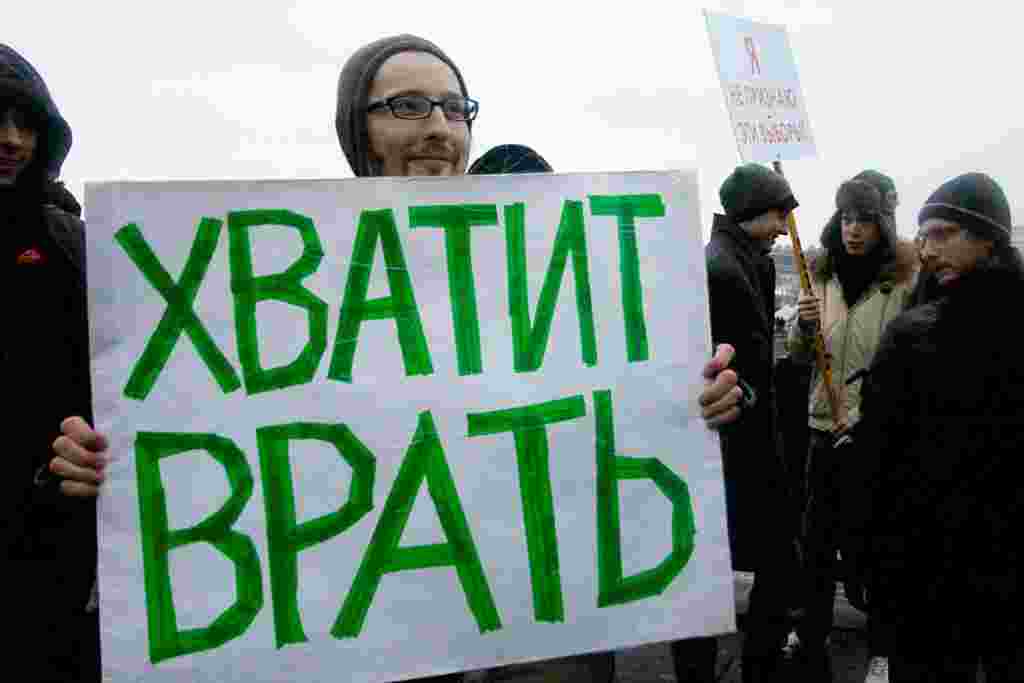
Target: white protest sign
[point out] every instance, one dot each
(762, 89)
(377, 429)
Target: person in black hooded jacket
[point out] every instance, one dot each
(936, 535)
(49, 516)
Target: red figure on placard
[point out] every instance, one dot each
(755, 61)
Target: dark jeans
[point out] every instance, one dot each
(57, 647)
(821, 526)
(765, 627)
(950, 665)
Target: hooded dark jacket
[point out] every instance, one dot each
(741, 287)
(49, 540)
(936, 533)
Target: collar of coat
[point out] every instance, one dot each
(986, 289)
(723, 224)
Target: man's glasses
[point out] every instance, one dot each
(938, 234)
(414, 107)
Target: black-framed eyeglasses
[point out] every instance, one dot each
(412, 107)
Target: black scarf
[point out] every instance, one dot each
(857, 273)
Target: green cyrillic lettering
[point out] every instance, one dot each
(179, 314)
(457, 220)
(529, 344)
(166, 640)
(627, 208)
(401, 305)
(425, 459)
(613, 588)
(249, 290)
(529, 427)
(286, 538)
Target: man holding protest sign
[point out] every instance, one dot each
(386, 125)
(50, 533)
(400, 135)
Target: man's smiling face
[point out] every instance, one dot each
(433, 146)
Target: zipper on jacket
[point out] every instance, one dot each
(849, 316)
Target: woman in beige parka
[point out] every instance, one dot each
(862, 280)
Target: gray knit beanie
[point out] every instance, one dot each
(975, 201)
(753, 189)
(354, 89)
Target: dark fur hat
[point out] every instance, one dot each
(865, 199)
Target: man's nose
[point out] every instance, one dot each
(10, 134)
(927, 249)
(437, 123)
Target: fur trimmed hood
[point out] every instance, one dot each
(899, 267)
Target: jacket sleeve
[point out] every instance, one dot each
(733, 321)
(886, 408)
(732, 300)
(60, 523)
(800, 340)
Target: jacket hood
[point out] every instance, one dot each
(19, 81)
(898, 267)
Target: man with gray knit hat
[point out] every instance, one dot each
(939, 518)
(762, 515)
(387, 125)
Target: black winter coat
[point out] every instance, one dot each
(49, 539)
(741, 286)
(938, 535)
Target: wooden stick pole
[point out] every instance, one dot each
(823, 358)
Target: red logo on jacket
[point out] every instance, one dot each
(31, 257)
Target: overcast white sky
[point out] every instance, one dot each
(216, 89)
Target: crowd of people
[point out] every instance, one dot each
(907, 491)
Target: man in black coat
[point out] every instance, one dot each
(762, 516)
(49, 514)
(937, 466)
